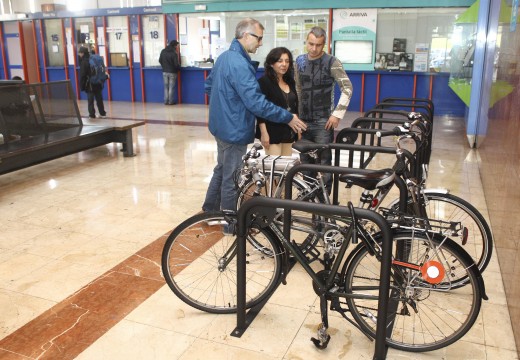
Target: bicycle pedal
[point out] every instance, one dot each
(319, 344)
(312, 254)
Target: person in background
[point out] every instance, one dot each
(94, 91)
(316, 73)
(235, 100)
(279, 87)
(169, 60)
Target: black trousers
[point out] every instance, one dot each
(96, 94)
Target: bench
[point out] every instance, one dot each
(41, 122)
(121, 131)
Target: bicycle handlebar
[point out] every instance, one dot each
(417, 120)
(397, 131)
(253, 153)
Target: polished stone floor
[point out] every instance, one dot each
(80, 256)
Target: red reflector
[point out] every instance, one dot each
(375, 202)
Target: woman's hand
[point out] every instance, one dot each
(264, 140)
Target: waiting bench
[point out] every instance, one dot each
(41, 122)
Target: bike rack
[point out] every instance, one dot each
(261, 207)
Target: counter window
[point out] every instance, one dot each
(153, 38)
(84, 33)
(215, 31)
(54, 42)
(117, 34)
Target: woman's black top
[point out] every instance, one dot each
(278, 132)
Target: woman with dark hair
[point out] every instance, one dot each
(279, 87)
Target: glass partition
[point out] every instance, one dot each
(430, 32)
(215, 31)
(117, 32)
(426, 31)
(54, 43)
(153, 38)
(84, 34)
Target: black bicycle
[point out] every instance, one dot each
(265, 176)
(427, 310)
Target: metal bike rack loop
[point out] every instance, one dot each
(260, 204)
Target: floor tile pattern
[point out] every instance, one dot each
(81, 243)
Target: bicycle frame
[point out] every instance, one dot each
(265, 209)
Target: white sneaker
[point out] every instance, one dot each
(102, 116)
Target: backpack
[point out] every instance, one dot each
(97, 70)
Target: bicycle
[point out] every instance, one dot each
(199, 264)
(427, 203)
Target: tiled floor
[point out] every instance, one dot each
(80, 256)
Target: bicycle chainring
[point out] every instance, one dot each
(323, 275)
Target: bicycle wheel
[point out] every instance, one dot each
(305, 227)
(199, 263)
(448, 207)
(424, 314)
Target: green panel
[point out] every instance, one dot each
(470, 16)
(183, 6)
(462, 88)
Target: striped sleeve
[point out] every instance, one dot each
(345, 86)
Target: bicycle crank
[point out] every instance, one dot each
(323, 275)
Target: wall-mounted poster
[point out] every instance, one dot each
(406, 61)
(296, 30)
(354, 37)
(421, 57)
(399, 45)
(308, 24)
(394, 61)
(282, 31)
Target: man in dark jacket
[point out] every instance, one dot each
(169, 60)
(235, 100)
(94, 91)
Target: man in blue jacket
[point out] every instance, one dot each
(235, 102)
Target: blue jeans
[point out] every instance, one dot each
(221, 194)
(316, 132)
(170, 82)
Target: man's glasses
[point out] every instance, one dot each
(259, 38)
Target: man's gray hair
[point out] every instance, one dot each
(318, 32)
(245, 26)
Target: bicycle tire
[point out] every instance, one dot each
(305, 227)
(195, 249)
(448, 207)
(438, 317)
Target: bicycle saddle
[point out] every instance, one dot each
(304, 146)
(370, 181)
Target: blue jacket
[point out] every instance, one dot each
(235, 98)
